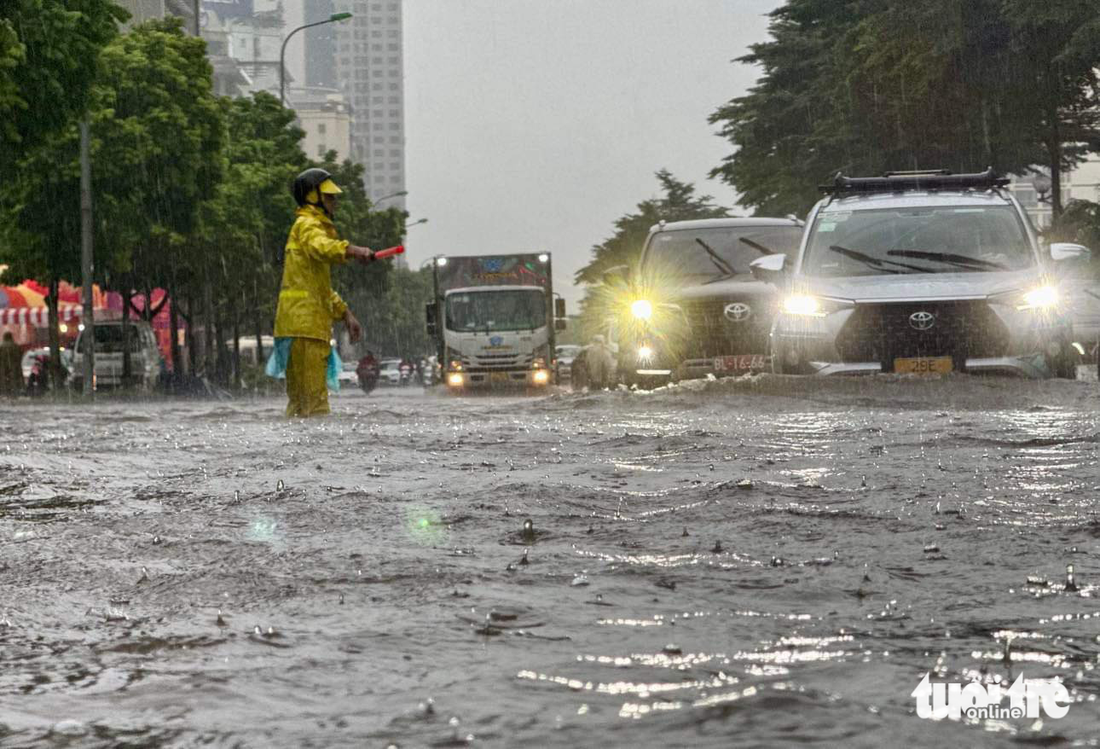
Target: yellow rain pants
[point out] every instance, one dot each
(305, 378)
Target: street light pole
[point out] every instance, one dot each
(282, 52)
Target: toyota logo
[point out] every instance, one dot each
(737, 312)
(922, 320)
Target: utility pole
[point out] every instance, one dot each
(86, 258)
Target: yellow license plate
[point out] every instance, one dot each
(924, 365)
(498, 377)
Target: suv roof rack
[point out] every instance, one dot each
(937, 179)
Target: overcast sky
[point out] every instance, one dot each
(534, 124)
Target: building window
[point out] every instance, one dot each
(379, 153)
(320, 128)
(395, 61)
(395, 167)
(395, 113)
(395, 153)
(395, 139)
(395, 126)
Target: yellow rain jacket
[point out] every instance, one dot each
(307, 304)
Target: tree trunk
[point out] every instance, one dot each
(55, 336)
(259, 325)
(236, 349)
(173, 327)
(190, 334)
(127, 300)
(208, 339)
(222, 363)
(1056, 180)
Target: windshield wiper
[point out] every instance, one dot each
(718, 260)
(949, 258)
(757, 246)
(874, 262)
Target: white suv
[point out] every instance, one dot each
(145, 357)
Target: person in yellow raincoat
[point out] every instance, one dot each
(307, 304)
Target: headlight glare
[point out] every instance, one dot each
(804, 305)
(642, 309)
(1043, 297)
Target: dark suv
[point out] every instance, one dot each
(695, 308)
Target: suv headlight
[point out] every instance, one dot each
(803, 305)
(1041, 298)
(642, 309)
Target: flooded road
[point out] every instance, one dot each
(763, 562)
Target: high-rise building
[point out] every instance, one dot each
(370, 72)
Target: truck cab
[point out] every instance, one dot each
(493, 320)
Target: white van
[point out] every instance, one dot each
(145, 358)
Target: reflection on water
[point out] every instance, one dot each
(772, 560)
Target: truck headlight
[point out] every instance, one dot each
(645, 352)
(1042, 298)
(642, 309)
(803, 305)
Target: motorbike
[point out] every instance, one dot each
(369, 371)
(406, 370)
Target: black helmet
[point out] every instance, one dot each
(307, 182)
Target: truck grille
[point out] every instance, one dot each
(711, 334)
(883, 332)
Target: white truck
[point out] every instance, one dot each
(493, 319)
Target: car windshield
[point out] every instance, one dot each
(108, 339)
(515, 309)
(716, 252)
(947, 239)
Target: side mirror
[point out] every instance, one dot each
(429, 317)
(1061, 252)
(559, 324)
(559, 307)
(769, 268)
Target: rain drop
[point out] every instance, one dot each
(717, 547)
(280, 486)
(524, 561)
(528, 530)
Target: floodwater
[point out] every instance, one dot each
(763, 562)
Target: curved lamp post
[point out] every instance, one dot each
(282, 52)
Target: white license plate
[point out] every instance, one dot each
(742, 363)
(924, 365)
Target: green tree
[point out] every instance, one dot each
(157, 154)
(678, 202)
(623, 249)
(866, 86)
(48, 50)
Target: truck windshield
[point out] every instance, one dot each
(718, 251)
(940, 239)
(493, 310)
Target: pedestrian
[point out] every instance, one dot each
(11, 366)
(308, 306)
(601, 363)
